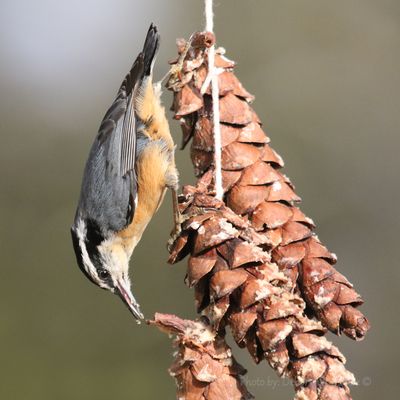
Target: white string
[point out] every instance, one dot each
(209, 16)
(213, 73)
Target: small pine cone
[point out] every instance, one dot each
(237, 285)
(255, 188)
(204, 368)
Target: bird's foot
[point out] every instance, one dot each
(177, 230)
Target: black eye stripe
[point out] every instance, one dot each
(93, 233)
(94, 255)
(92, 240)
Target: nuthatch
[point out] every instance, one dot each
(130, 166)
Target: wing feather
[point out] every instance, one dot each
(109, 185)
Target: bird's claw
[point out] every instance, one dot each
(176, 232)
(180, 219)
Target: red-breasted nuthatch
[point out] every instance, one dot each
(130, 166)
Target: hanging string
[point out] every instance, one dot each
(213, 75)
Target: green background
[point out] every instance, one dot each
(326, 79)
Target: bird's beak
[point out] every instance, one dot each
(124, 291)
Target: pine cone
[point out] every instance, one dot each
(255, 188)
(254, 260)
(237, 285)
(204, 368)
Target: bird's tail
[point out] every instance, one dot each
(150, 49)
(145, 98)
(143, 65)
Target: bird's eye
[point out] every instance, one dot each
(104, 274)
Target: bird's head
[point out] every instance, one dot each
(104, 262)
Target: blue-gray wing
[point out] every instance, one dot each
(109, 183)
(109, 186)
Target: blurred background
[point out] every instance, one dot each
(326, 79)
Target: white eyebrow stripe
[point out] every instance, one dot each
(87, 262)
